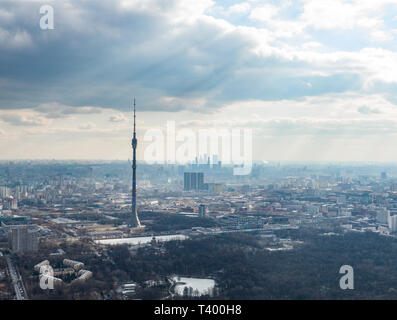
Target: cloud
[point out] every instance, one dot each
(87, 126)
(367, 110)
(29, 119)
(171, 104)
(56, 110)
(17, 40)
(239, 8)
(119, 117)
(6, 16)
(380, 35)
(303, 126)
(345, 114)
(295, 66)
(102, 53)
(332, 14)
(264, 13)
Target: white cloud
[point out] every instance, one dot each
(119, 117)
(24, 119)
(176, 11)
(264, 13)
(87, 126)
(368, 110)
(381, 35)
(5, 15)
(326, 15)
(335, 14)
(282, 64)
(17, 40)
(57, 110)
(239, 8)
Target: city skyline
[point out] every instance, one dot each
(215, 151)
(284, 69)
(75, 227)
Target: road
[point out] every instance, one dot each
(20, 291)
(172, 283)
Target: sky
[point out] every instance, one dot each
(313, 79)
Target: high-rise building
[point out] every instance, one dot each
(382, 215)
(213, 187)
(214, 159)
(22, 240)
(200, 181)
(392, 222)
(4, 192)
(193, 181)
(202, 210)
(14, 203)
(186, 181)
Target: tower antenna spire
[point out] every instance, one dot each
(134, 119)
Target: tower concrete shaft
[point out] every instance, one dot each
(135, 219)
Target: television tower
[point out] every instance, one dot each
(135, 220)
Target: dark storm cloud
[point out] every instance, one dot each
(102, 55)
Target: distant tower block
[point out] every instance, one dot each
(202, 211)
(383, 175)
(135, 219)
